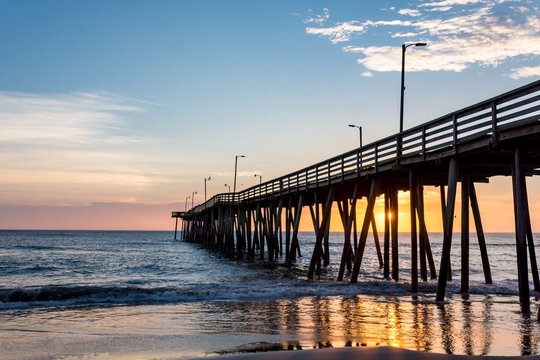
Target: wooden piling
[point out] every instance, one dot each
(318, 242)
(414, 239)
(530, 243)
(365, 228)
(347, 220)
(443, 212)
(394, 211)
(294, 243)
(386, 262)
(465, 234)
(376, 239)
(448, 223)
(521, 231)
(480, 233)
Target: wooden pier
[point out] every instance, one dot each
(499, 136)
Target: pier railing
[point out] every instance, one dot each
(483, 120)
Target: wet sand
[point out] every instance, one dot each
(366, 353)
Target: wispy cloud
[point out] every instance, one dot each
(79, 117)
(317, 18)
(339, 33)
(410, 12)
(74, 148)
(459, 33)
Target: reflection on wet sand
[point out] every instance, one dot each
(460, 326)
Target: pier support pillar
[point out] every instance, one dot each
(465, 234)
(520, 210)
(365, 228)
(414, 234)
(448, 223)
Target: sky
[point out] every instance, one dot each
(112, 113)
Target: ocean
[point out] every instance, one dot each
(144, 295)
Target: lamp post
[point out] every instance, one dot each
(403, 49)
(205, 180)
(260, 178)
(185, 205)
(228, 186)
(235, 169)
(359, 130)
(193, 198)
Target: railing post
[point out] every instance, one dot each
(493, 122)
(376, 154)
(342, 169)
(398, 146)
(358, 162)
(423, 143)
(454, 132)
(328, 165)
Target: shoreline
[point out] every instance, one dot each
(364, 353)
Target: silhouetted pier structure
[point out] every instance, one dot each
(498, 136)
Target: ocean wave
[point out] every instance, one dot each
(54, 296)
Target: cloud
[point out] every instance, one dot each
(466, 33)
(79, 117)
(410, 12)
(339, 33)
(318, 19)
(72, 148)
(524, 72)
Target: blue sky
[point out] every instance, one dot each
(135, 102)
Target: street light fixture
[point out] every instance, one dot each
(359, 130)
(205, 180)
(260, 178)
(235, 169)
(403, 49)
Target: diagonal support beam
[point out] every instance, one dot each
(318, 242)
(448, 224)
(365, 228)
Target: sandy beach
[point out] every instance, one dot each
(367, 353)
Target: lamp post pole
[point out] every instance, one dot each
(359, 131)
(260, 178)
(205, 180)
(235, 170)
(403, 49)
(185, 205)
(193, 198)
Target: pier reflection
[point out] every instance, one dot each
(460, 326)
